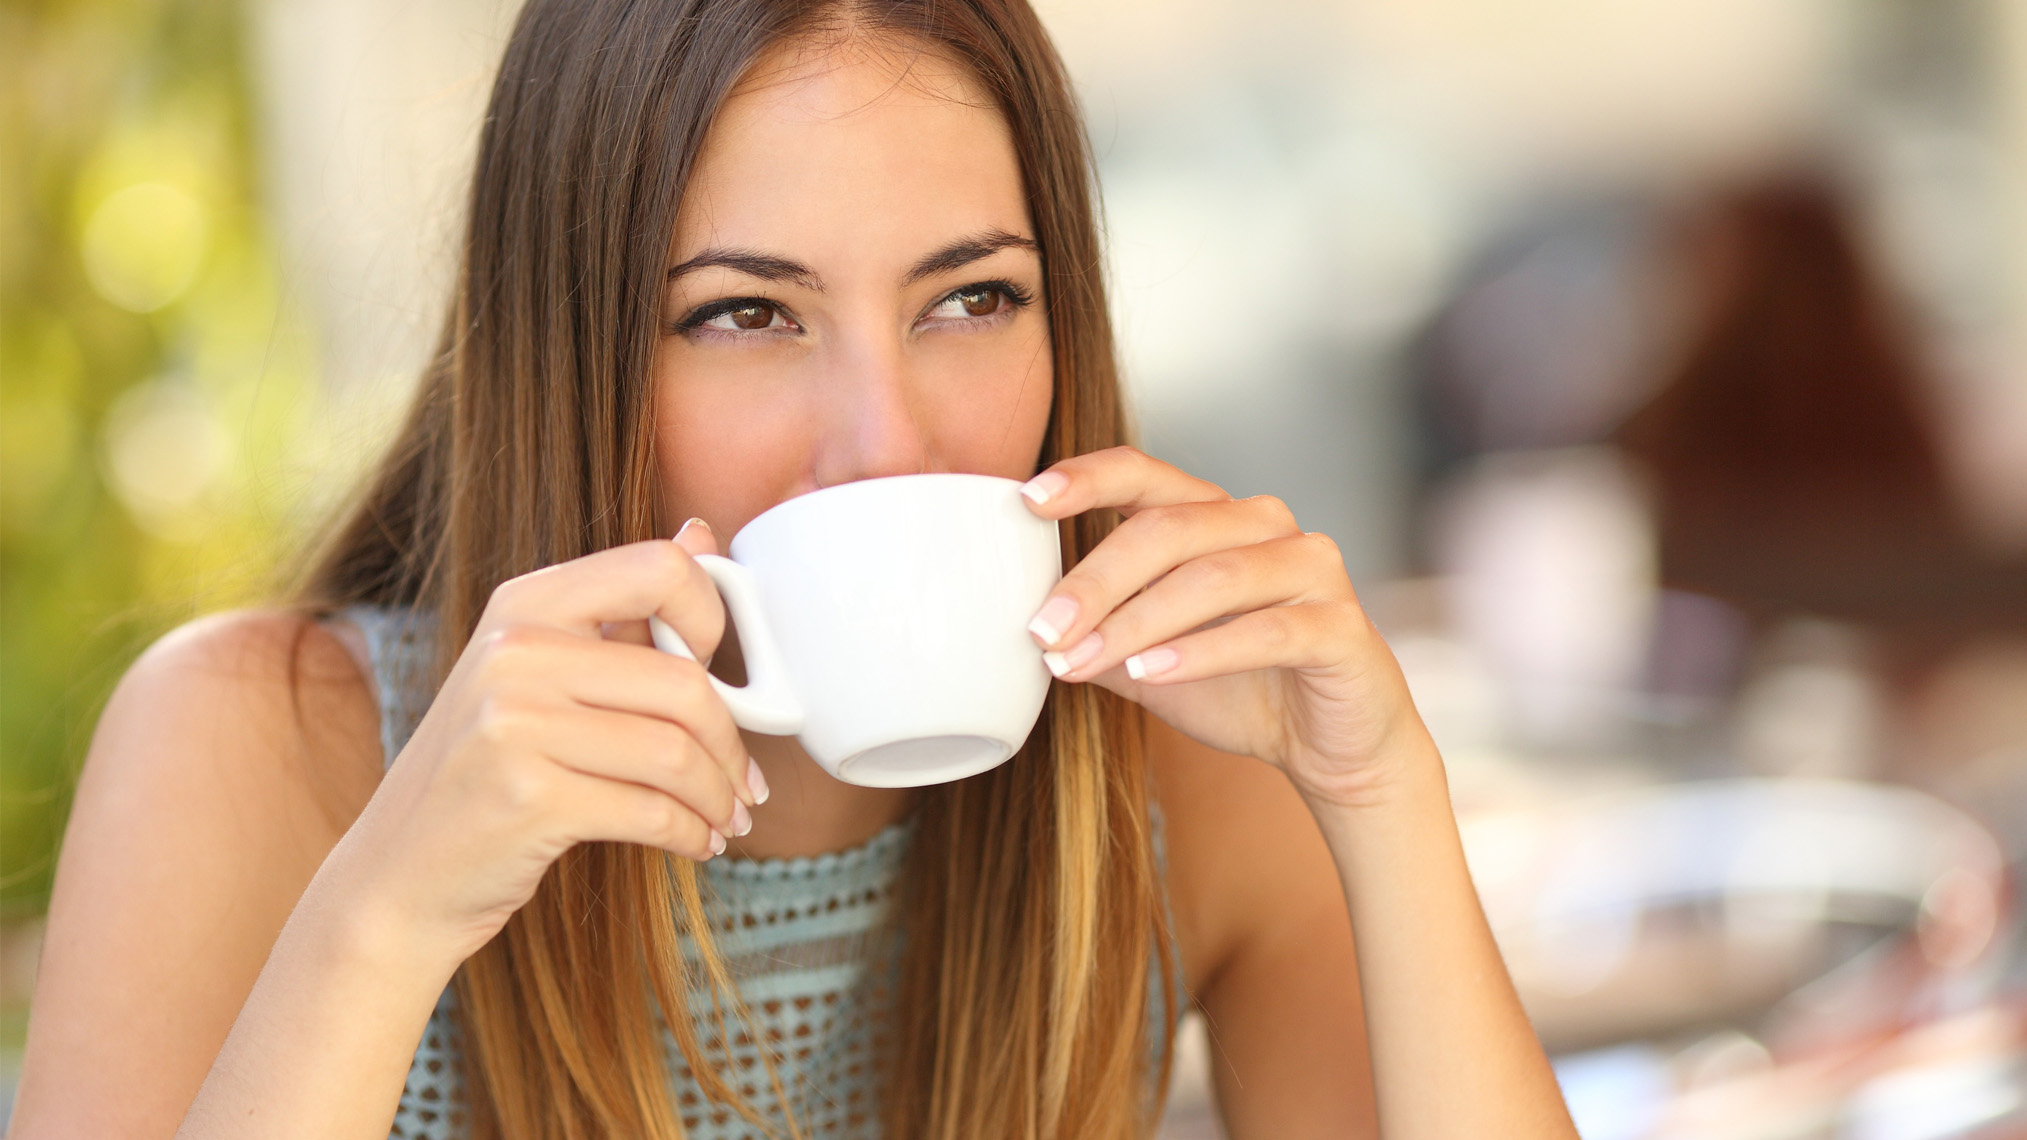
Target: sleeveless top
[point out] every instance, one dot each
(806, 939)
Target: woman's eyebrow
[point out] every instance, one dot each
(963, 252)
(765, 266)
(769, 267)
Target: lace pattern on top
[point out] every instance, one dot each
(806, 940)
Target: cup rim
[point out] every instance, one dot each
(864, 486)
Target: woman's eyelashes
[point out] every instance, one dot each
(981, 304)
(738, 317)
(978, 304)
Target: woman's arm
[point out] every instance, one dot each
(1454, 1056)
(1268, 885)
(192, 848)
(1227, 621)
(323, 1044)
(1453, 1052)
(1266, 945)
(201, 813)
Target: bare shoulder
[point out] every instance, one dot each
(230, 758)
(263, 702)
(1266, 944)
(1242, 847)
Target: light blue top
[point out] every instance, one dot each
(806, 939)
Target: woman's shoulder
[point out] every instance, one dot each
(1243, 850)
(262, 656)
(231, 757)
(262, 698)
(237, 749)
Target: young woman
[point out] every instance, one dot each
(722, 253)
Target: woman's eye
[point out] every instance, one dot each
(736, 315)
(971, 301)
(747, 317)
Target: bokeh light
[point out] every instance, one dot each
(144, 245)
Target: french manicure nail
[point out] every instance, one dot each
(1045, 486)
(717, 842)
(1152, 663)
(1086, 651)
(692, 521)
(742, 820)
(755, 781)
(1053, 619)
(1079, 655)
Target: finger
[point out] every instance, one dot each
(629, 632)
(705, 627)
(622, 584)
(610, 811)
(1122, 478)
(625, 678)
(638, 750)
(695, 537)
(1281, 572)
(1143, 548)
(1313, 635)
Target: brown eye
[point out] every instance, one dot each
(737, 315)
(752, 316)
(967, 307)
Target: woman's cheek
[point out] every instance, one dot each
(728, 451)
(992, 406)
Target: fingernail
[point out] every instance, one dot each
(1152, 663)
(693, 521)
(755, 781)
(717, 842)
(1053, 619)
(1080, 655)
(1045, 486)
(742, 820)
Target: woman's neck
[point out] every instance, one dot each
(809, 811)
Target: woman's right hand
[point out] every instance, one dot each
(546, 734)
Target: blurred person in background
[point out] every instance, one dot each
(1796, 465)
(437, 843)
(1744, 375)
(1713, 417)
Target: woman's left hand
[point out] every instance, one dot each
(1223, 618)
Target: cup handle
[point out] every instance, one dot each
(766, 703)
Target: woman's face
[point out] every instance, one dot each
(855, 289)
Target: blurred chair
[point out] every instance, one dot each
(1661, 910)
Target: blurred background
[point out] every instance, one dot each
(1660, 366)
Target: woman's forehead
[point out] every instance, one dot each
(880, 138)
(870, 65)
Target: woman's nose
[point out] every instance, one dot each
(875, 427)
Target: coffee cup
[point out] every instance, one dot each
(884, 624)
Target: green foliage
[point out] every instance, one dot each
(153, 389)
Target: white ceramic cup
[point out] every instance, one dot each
(884, 623)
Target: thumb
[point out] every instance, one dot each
(696, 538)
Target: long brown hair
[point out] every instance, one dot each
(1031, 910)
